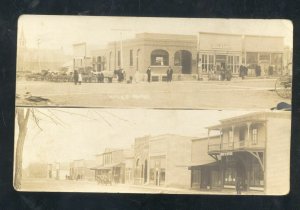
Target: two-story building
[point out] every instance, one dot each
(115, 164)
(252, 147)
(162, 160)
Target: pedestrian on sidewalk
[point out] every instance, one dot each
(170, 74)
(75, 77)
(79, 78)
(149, 74)
(238, 186)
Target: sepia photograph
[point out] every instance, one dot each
(229, 152)
(132, 62)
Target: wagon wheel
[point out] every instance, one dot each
(283, 87)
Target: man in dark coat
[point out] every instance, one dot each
(238, 186)
(149, 74)
(76, 76)
(170, 74)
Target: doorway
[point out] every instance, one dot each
(145, 171)
(220, 62)
(183, 58)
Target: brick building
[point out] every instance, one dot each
(159, 51)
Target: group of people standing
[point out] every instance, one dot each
(169, 74)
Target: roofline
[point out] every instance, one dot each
(265, 113)
(205, 138)
(245, 35)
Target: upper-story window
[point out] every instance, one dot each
(230, 136)
(254, 136)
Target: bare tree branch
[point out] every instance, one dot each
(72, 113)
(36, 120)
(104, 119)
(58, 119)
(116, 116)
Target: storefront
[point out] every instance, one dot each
(224, 173)
(162, 160)
(157, 174)
(114, 172)
(230, 51)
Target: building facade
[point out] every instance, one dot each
(162, 160)
(158, 51)
(253, 147)
(81, 170)
(115, 164)
(233, 50)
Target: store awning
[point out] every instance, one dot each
(202, 163)
(106, 167)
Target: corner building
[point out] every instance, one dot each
(254, 147)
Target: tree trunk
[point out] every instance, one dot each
(22, 122)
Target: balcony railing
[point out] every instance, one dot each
(234, 146)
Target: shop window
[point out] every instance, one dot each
(208, 62)
(152, 174)
(264, 57)
(233, 63)
(257, 175)
(162, 176)
(236, 64)
(131, 57)
(230, 176)
(276, 62)
(276, 59)
(159, 58)
(251, 58)
(204, 63)
(196, 176)
(254, 136)
(230, 64)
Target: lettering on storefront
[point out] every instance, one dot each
(226, 154)
(220, 46)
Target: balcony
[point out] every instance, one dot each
(242, 145)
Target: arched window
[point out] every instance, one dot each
(159, 58)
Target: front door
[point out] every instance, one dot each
(215, 179)
(186, 62)
(157, 177)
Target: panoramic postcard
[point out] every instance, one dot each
(153, 105)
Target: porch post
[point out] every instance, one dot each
(232, 138)
(248, 134)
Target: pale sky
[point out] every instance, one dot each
(86, 132)
(63, 31)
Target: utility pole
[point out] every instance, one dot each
(121, 45)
